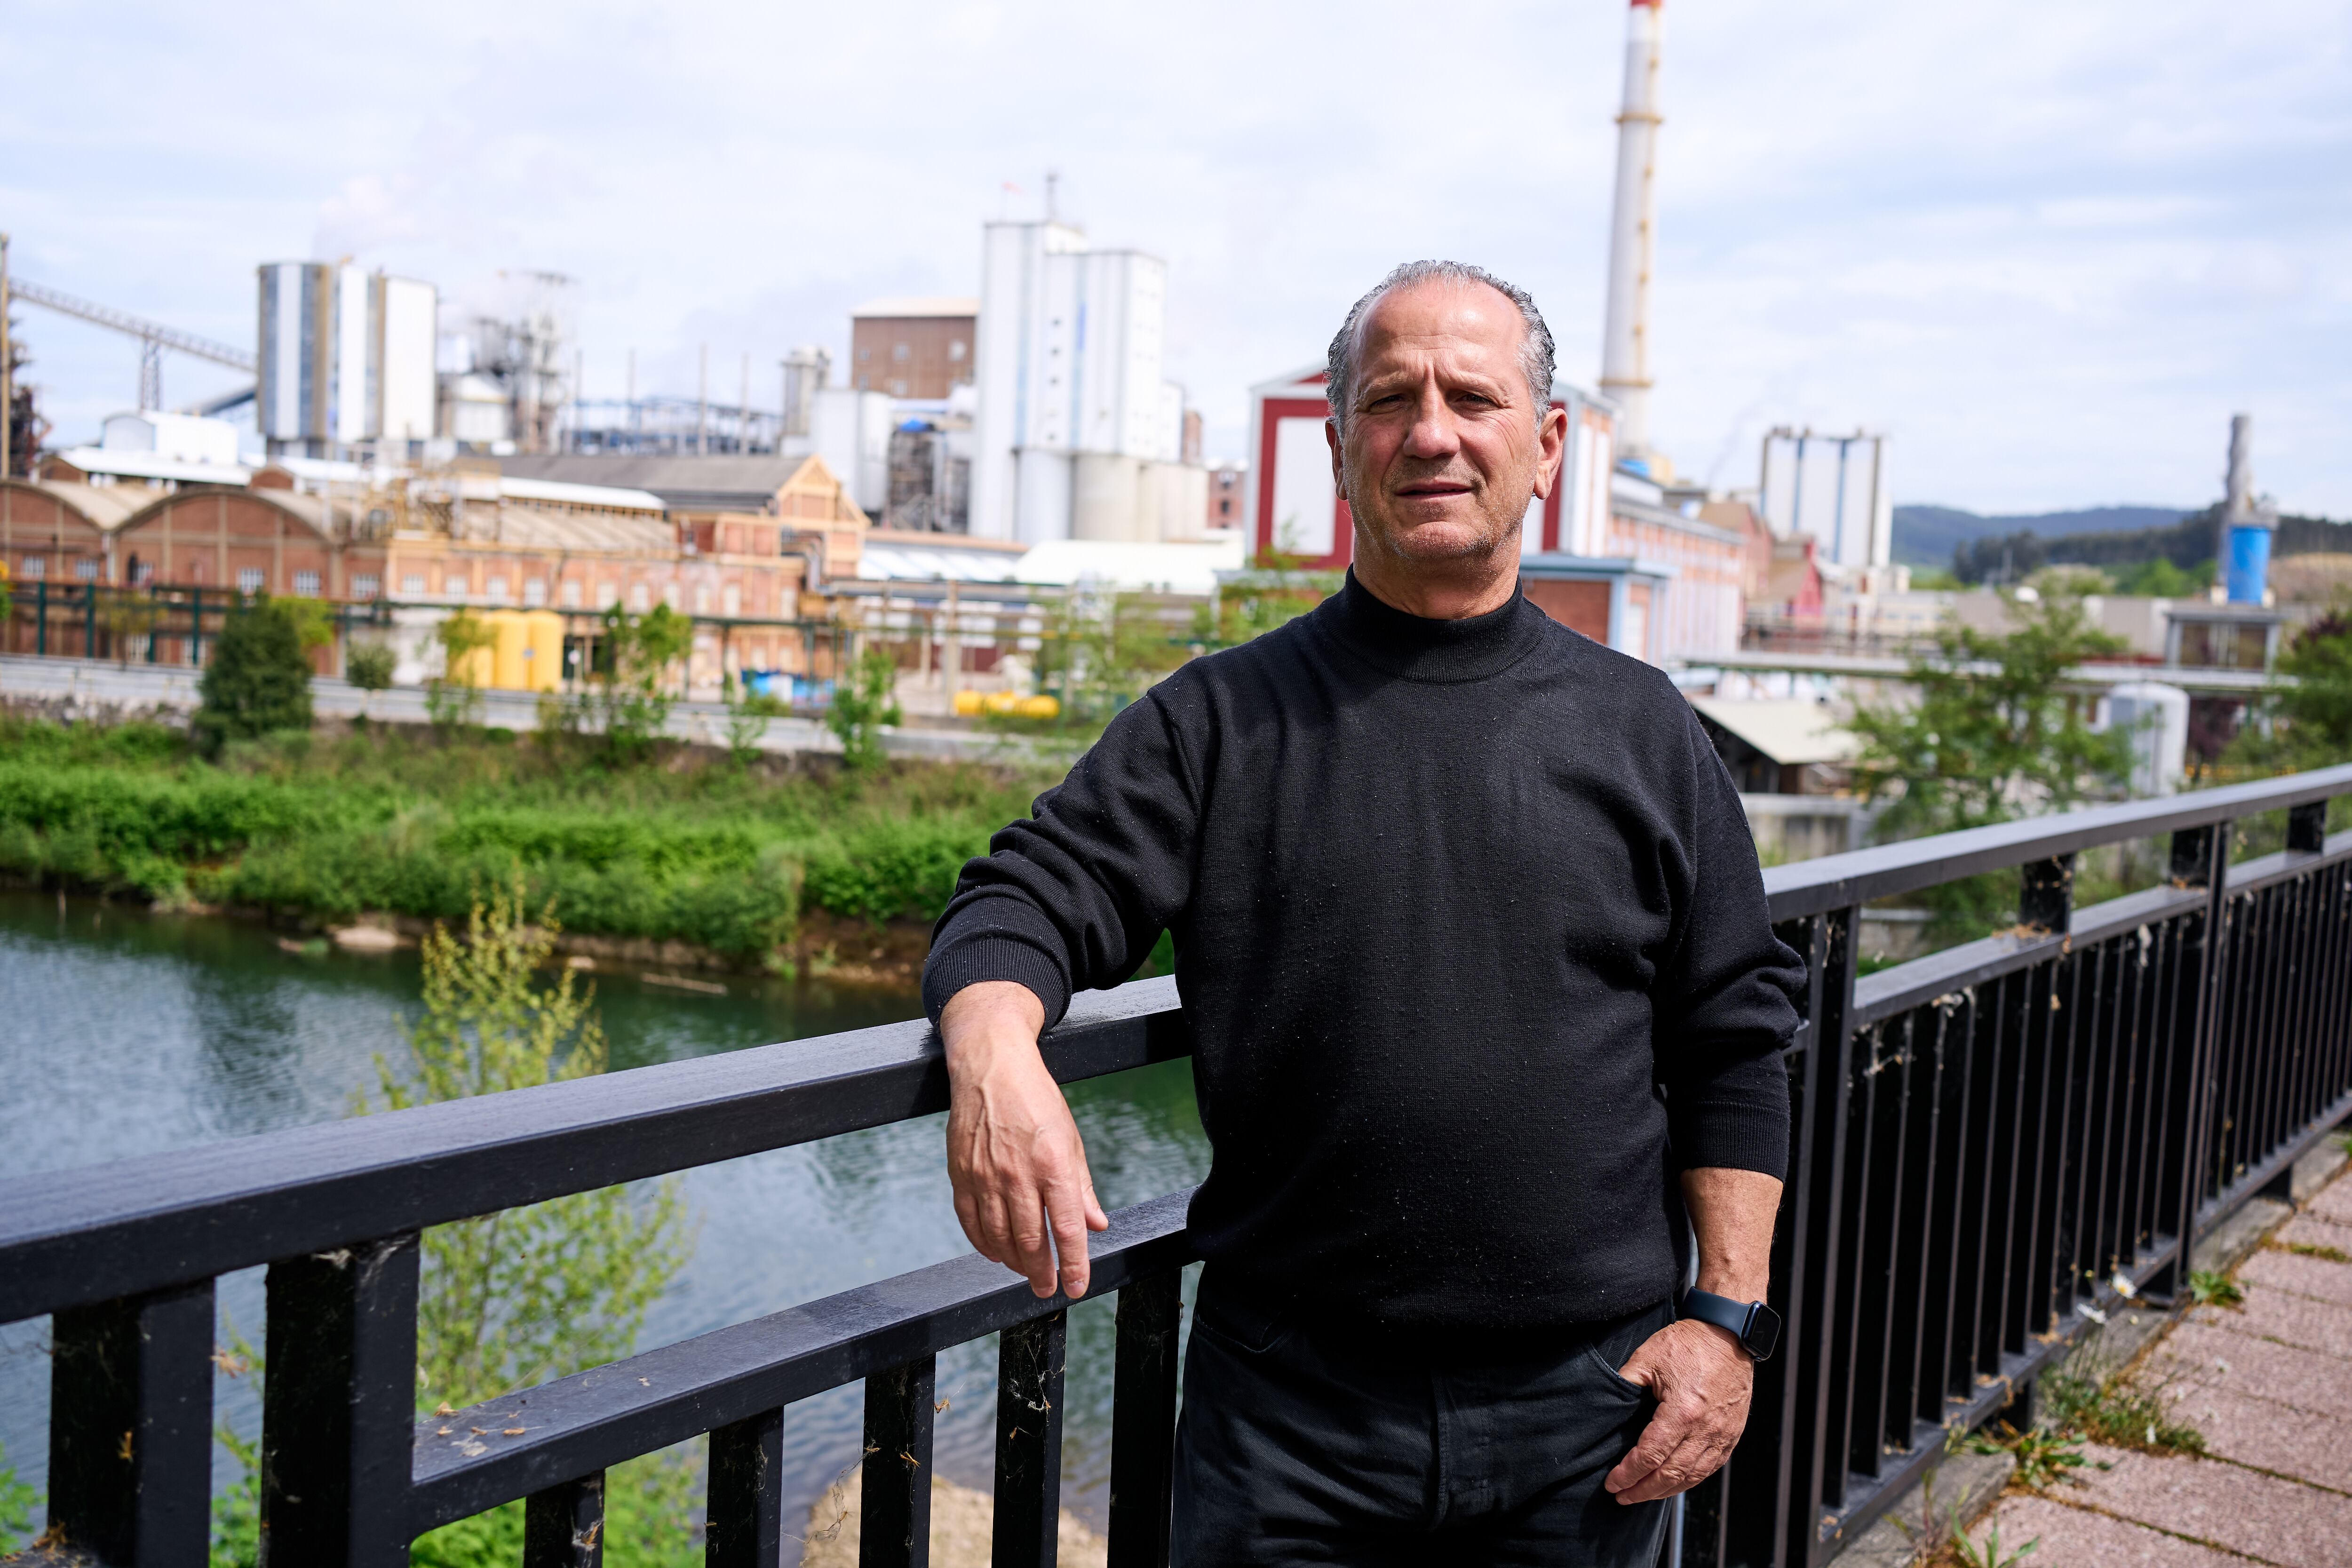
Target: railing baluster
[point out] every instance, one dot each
(563, 1527)
(1029, 1442)
(338, 1411)
(744, 1523)
(131, 1402)
(1143, 1421)
(894, 1528)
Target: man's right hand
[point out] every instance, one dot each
(1022, 1191)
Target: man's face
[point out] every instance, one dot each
(1443, 450)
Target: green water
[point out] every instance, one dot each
(125, 1033)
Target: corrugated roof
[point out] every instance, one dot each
(1790, 731)
(544, 528)
(107, 507)
(562, 494)
(728, 481)
(148, 466)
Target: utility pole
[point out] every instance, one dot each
(744, 414)
(7, 375)
(702, 407)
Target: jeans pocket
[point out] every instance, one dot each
(1241, 1325)
(1623, 1385)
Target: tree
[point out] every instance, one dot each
(454, 699)
(126, 613)
(865, 699)
(514, 1298)
(258, 679)
(633, 693)
(1993, 732)
(368, 666)
(2312, 717)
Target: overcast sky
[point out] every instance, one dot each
(2050, 248)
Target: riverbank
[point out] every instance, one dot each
(689, 858)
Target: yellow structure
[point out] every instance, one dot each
(970, 704)
(524, 653)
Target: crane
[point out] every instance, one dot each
(153, 339)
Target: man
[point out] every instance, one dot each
(1470, 936)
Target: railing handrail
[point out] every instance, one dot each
(94, 1233)
(1863, 876)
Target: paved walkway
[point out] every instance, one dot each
(2269, 1383)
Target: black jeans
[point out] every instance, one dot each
(1300, 1447)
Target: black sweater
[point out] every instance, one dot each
(1470, 931)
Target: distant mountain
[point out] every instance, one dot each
(1927, 535)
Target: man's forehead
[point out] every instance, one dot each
(1453, 317)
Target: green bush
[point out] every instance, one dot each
(716, 854)
(258, 678)
(893, 870)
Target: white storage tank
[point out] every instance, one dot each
(2156, 715)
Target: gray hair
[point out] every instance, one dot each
(1536, 354)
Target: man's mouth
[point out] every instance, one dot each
(1433, 488)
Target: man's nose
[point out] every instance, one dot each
(1433, 434)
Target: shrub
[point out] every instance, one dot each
(258, 678)
(894, 870)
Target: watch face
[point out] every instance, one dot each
(1763, 1330)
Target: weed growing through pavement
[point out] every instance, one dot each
(2210, 1288)
(2315, 1249)
(2044, 1457)
(1988, 1553)
(2114, 1406)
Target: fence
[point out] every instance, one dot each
(149, 625)
(1985, 1140)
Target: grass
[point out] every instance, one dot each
(2315, 1249)
(2113, 1406)
(2044, 1457)
(682, 845)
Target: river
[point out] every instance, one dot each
(123, 1032)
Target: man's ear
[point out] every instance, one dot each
(1339, 458)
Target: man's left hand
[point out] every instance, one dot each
(1702, 1381)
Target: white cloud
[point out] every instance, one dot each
(2051, 249)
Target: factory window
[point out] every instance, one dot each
(640, 598)
(898, 389)
(364, 585)
(865, 353)
(669, 595)
(571, 591)
(955, 351)
(249, 579)
(412, 586)
(306, 584)
(702, 599)
(86, 569)
(607, 595)
(534, 591)
(497, 590)
(453, 586)
(731, 599)
(901, 353)
(36, 568)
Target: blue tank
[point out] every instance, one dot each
(2249, 564)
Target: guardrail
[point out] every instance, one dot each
(1985, 1140)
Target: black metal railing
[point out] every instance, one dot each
(1986, 1141)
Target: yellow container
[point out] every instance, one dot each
(967, 702)
(530, 650)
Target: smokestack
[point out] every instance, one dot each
(2247, 522)
(1632, 232)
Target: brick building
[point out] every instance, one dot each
(912, 348)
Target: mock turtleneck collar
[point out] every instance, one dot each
(1419, 649)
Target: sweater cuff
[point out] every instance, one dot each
(994, 957)
(1735, 1137)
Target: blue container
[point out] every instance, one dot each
(2249, 564)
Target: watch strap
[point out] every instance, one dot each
(1755, 1325)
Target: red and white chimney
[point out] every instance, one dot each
(1632, 235)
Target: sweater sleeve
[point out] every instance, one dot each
(1073, 898)
(1726, 1008)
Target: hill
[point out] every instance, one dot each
(1927, 535)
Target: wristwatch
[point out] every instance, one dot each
(1755, 1326)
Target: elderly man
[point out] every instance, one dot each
(1486, 1005)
